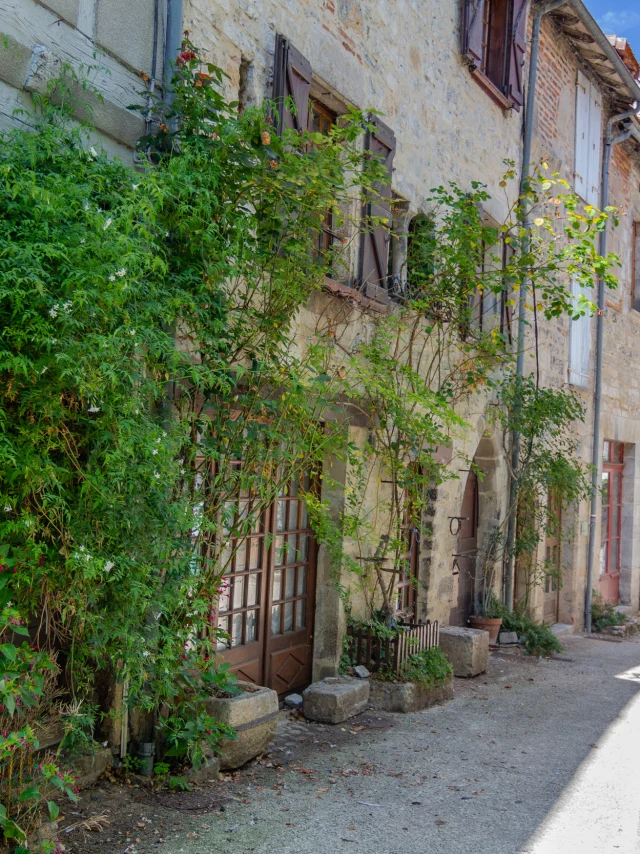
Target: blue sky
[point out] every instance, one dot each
(621, 17)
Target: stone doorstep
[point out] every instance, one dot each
(466, 649)
(335, 699)
(408, 696)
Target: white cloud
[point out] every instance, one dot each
(618, 22)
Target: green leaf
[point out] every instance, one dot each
(8, 650)
(30, 793)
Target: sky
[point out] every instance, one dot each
(621, 17)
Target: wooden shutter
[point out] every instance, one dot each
(374, 246)
(473, 14)
(291, 79)
(581, 164)
(579, 342)
(595, 146)
(517, 51)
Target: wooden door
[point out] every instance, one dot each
(611, 522)
(267, 603)
(467, 553)
(554, 567)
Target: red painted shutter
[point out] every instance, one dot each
(291, 79)
(517, 53)
(473, 12)
(374, 247)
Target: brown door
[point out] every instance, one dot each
(467, 553)
(611, 523)
(553, 564)
(267, 602)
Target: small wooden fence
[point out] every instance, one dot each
(377, 653)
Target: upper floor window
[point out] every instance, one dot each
(494, 42)
(588, 140)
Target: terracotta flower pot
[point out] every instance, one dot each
(488, 624)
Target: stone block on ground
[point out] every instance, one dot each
(507, 638)
(91, 766)
(466, 649)
(361, 672)
(335, 699)
(208, 771)
(408, 696)
(254, 716)
(293, 701)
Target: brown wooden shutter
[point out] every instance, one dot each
(517, 52)
(473, 13)
(374, 246)
(291, 79)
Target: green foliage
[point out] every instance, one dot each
(427, 668)
(161, 770)
(179, 784)
(78, 722)
(603, 614)
(538, 639)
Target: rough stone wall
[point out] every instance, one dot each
(110, 43)
(402, 58)
(554, 140)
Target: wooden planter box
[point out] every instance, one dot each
(391, 653)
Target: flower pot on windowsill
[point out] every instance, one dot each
(253, 714)
(488, 624)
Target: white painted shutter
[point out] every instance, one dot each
(595, 147)
(581, 165)
(588, 148)
(579, 341)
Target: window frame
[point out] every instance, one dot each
(613, 463)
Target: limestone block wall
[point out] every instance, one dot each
(109, 43)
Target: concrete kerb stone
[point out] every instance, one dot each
(466, 649)
(335, 699)
(254, 716)
(408, 696)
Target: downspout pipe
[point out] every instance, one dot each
(172, 45)
(541, 11)
(596, 458)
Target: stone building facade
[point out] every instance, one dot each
(451, 95)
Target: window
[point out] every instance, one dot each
(635, 266)
(588, 141)
(321, 120)
(579, 341)
(420, 255)
(494, 43)
(611, 520)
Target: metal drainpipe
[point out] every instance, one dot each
(173, 43)
(526, 162)
(596, 459)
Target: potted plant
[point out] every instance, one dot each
(489, 610)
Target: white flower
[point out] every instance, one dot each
(135, 186)
(121, 272)
(158, 440)
(43, 370)
(146, 653)
(93, 408)
(94, 153)
(107, 224)
(86, 206)
(156, 475)
(112, 278)
(67, 305)
(132, 332)
(81, 548)
(53, 312)
(7, 509)
(109, 566)
(82, 240)
(136, 412)
(154, 452)
(181, 471)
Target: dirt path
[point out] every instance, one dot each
(538, 757)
